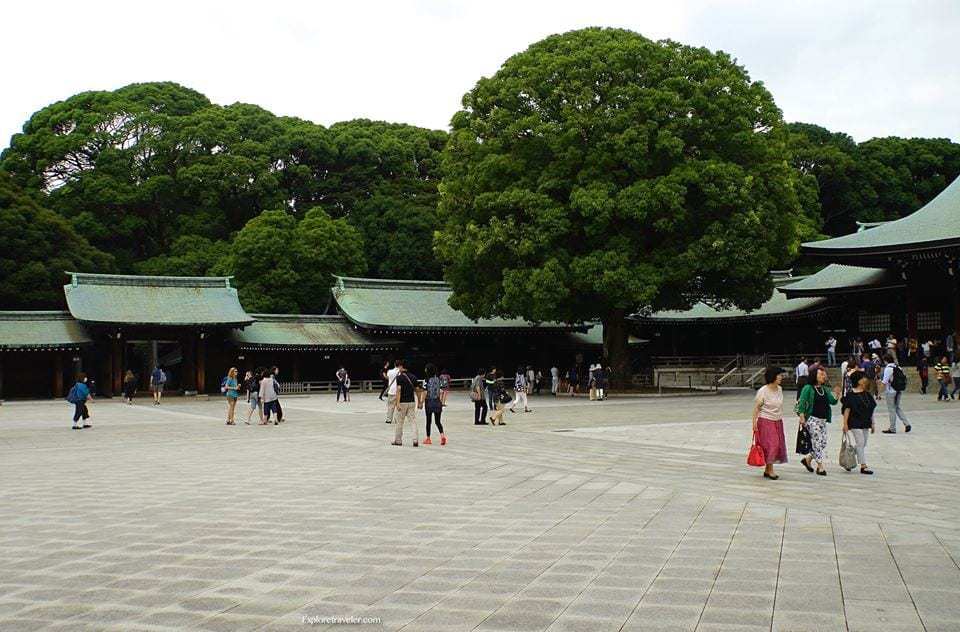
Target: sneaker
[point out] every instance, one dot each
(416, 445)
(908, 428)
(427, 441)
(87, 426)
(865, 471)
(443, 439)
(888, 431)
(389, 422)
(396, 443)
(76, 428)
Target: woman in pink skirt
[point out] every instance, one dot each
(768, 420)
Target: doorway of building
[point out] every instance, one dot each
(142, 356)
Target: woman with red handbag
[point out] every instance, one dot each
(768, 422)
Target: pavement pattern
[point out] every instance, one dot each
(632, 514)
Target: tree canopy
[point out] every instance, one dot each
(282, 265)
(152, 171)
(880, 179)
(599, 173)
(38, 246)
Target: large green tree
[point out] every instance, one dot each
(38, 246)
(282, 265)
(599, 173)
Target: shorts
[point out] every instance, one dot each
(254, 403)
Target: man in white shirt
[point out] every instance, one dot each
(831, 351)
(801, 373)
(875, 345)
(893, 397)
(554, 380)
(392, 391)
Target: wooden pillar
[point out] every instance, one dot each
(58, 374)
(188, 349)
(106, 372)
(911, 311)
(116, 350)
(295, 368)
(956, 310)
(201, 365)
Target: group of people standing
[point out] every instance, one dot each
(261, 390)
(815, 399)
(406, 394)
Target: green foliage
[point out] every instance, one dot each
(190, 255)
(384, 181)
(881, 179)
(38, 246)
(281, 265)
(598, 173)
(139, 168)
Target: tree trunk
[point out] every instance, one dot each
(616, 351)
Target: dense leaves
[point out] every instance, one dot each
(599, 173)
(285, 266)
(160, 178)
(38, 246)
(880, 179)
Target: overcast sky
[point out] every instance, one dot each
(870, 69)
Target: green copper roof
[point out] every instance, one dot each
(41, 330)
(777, 306)
(841, 279)
(935, 225)
(154, 300)
(393, 305)
(305, 333)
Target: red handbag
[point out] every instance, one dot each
(756, 457)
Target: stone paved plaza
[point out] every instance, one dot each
(629, 514)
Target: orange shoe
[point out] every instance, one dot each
(427, 441)
(443, 439)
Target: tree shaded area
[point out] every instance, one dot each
(599, 173)
(38, 246)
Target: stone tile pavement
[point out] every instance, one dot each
(630, 514)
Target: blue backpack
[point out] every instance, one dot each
(433, 389)
(72, 394)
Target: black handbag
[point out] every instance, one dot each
(804, 446)
(505, 397)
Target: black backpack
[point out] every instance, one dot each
(899, 379)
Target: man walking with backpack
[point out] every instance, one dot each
(79, 395)
(157, 381)
(895, 381)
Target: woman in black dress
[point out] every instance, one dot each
(858, 406)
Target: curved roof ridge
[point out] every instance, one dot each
(141, 280)
(387, 284)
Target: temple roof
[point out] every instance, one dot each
(415, 306)
(154, 300)
(776, 307)
(41, 330)
(306, 333)
(841, 279)
(923, 233)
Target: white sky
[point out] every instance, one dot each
(869, 68)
